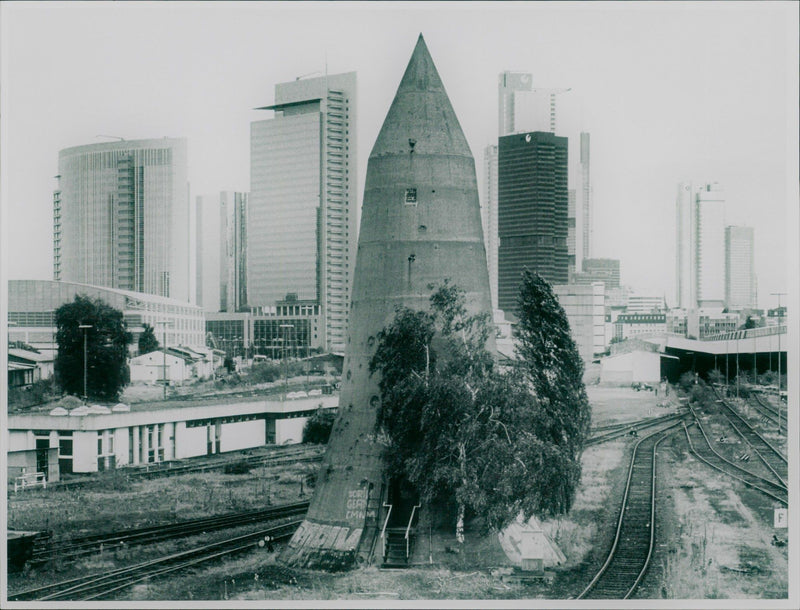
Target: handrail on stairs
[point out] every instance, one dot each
(383, 531)
(408, 529)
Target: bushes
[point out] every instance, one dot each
(39, 392)
(264, 373)
(240, 467)
(318, 427)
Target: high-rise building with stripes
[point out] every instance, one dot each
(532, 211)
(700, 246)
(302, 206)
(740, 276)
(121, 217)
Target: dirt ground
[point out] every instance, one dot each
(717, 536)
(613, 405)
(714, 537)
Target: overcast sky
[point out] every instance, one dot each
(670, 92)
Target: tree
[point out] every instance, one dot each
(465, 435)
(106, 348)
(551, 364)
(318, 427)
(748, 324)
(147, 340)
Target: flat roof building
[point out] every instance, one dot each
(32, 305)
(585, 309)
(100, 438)
(604, 270)
(740, 276)
(302, 209)
(532, 211)
(700, 246)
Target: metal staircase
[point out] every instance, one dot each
(398, 542)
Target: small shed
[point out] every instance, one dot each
(151, 367)
(525, 543)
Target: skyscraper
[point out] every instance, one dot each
(586, 198)
(532, 211)
(700, 246)
(524, 108)
(685, 295)
(508, 84)
(222, 251)
(489, 216)
(710, 248)
(121, 217)
(302, 205)
(740, 278)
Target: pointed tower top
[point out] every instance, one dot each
(421, 111)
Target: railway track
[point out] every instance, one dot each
(702, 449)
(630, 553)
(772, 458)
(102, 585)
(87, 545)
(281, 456)
(608, 433)
(776, 416)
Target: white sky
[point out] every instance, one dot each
(670, 92)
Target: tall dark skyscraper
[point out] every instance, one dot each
(532, 211)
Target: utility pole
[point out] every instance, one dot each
(285, 362)
(164, 324)
(85, 328)
(780, 322)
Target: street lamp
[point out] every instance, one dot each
(85, 327)
(285, 363)
(164, 324)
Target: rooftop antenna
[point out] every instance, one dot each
(112, 137)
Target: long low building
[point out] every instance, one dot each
(98, 438)
(32, 305)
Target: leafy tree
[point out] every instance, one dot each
(551, 364)
(106, 348)
(318, 427)
(748, 324)
(687, 380)
(464, 434)
(147, 340)
(264, 372)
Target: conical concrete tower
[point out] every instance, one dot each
(420, 224)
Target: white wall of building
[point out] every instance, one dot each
(241, 435)
(20, 440)
(190, 442)
(84, 451)
(121, 446)
(631, 367)
(289, 431)
(585, 308)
